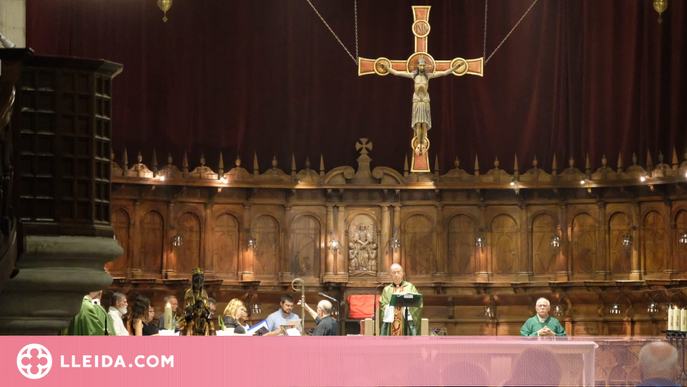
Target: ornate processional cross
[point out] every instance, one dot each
(421, 29)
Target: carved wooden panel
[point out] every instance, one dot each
(680, 248)
(419, 238)
(584, 236)
(655, 242)
(621, 256)
(152, 239)
(121, 225)
(188, 254)
(265, 230)
(461, 246)
(304, 259)
(363, 247)
(225, 250)
(504, 231)
(543, 254)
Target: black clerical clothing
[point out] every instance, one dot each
(326, 326)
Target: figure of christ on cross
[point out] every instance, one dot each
(422, 117)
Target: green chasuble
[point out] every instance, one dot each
(416, 313)
(90, 321)
(533, 325)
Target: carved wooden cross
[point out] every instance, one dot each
(421, 29)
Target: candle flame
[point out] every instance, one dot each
(168, 305)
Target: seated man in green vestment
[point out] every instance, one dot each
(542, 324)
(393, 316)
(92, 320)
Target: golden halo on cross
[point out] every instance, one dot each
(411, 63)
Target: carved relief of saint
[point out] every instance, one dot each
(362, 249)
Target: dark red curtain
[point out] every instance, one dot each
(266, 76)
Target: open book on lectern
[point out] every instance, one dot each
(405, 299)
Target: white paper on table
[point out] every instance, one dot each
(293, 332)
(389, 314)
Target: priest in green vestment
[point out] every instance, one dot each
(91, 320)
(392, 321)
(542, 324)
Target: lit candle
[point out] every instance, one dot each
(169, 324)
(683, 320)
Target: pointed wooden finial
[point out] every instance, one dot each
(154, 162)
(554, 164)
(620, 162)
(497, 162)
(202, 159)
(125, 160)
(139, 158)
(321, 164)
(275, 162)
(660, 157)
(256, 168)
(237, 162)
(307, 162)
(184, 164)
(456, 163)
(604, 161)
(535, 162)
(515, 163)
(674, 161)
(587, 164)
(220, 167)
(634, 159)
(405, 166)
(649, 160)
(293, 163)
(571, 162)
(476, 165)
(169, 158)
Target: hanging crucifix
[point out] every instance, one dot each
(420, 67)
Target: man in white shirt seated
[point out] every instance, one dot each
(118, 308)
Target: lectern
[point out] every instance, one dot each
(409, 300)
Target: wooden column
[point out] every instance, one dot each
(342, 257)
(603, 260)
(396, 253)
(329, 267)
(526, 261)
(483, 272)
(247, 254)
(441, 246)
(637, 271)
(168, 251)
(206, 261)
(387, 234)
(136, 271)
(563, 268)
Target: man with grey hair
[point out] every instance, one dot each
(326, 325)
(658, 364)
(542, 324)
(118, 308)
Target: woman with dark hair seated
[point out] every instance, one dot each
(235, 316)
(150, 328)
(139, 318)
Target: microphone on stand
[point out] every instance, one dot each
(328, 297)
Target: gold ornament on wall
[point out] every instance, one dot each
(660, 6)
(165, 5)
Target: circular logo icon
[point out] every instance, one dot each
(34, 361)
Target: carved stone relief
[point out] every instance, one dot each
(621, 256)
(544, 255)
(583, 244)
(266, 231)
(152, 239)
(505, 237)
(461, 246)
(362, 247)
(419, 237)
(225, 253)
(305, 247)
(655, 242)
